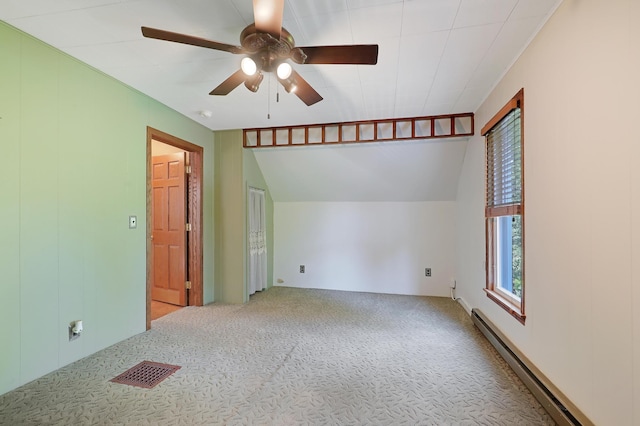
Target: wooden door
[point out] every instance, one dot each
(168, 231)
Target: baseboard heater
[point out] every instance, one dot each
(556, 404)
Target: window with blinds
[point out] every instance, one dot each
(504, 166)
(504, 209)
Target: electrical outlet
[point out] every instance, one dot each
(72, 335)
(302, 269)
(427, 272)
(75, 330)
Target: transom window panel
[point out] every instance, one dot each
(504, 211)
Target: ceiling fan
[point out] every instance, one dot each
(268, 47)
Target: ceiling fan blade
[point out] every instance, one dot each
(229, 84)
(267, 15)
(303, 90)
(358, 54)
(187, 39)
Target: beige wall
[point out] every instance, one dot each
(582, 190)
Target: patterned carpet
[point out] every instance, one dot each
(292, 357)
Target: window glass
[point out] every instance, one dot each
(509, 255)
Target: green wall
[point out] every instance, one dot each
(230, 231)
(236, 169)
(73, 145)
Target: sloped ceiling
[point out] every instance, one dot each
(436, 57)
(384, 171)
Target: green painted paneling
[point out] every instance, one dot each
(75, 129)
(112, 291)
(38, 209)
(230, 218)
(9, 208)
(74, 150)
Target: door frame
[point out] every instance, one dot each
(194, 216)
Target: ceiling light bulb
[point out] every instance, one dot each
(248, 66)
(284, 71)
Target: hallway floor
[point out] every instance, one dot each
(160, 309)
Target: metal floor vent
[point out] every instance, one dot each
(147, 374)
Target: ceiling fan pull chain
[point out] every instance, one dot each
(269, 100)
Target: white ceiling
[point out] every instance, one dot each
(435, 57)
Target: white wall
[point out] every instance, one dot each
(380, 247)
(417, 170)
(582, 192)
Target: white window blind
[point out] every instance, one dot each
(504, 166)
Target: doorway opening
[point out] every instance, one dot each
(174, 232)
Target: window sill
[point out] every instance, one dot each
(507, 305)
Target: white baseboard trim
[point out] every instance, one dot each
(464, 304)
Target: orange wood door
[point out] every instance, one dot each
(169, 236)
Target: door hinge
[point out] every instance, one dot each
(187, 169)
(187, 227)
(188, 285)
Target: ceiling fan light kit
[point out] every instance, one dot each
(289, 85)
(253, 83)
(284, 71)
(248, 66)
(268, 46)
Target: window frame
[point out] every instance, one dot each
(509, 302)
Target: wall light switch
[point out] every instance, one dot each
(133, 222)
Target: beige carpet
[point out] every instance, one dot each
(290, 357)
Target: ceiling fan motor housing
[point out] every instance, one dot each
(267, 51)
